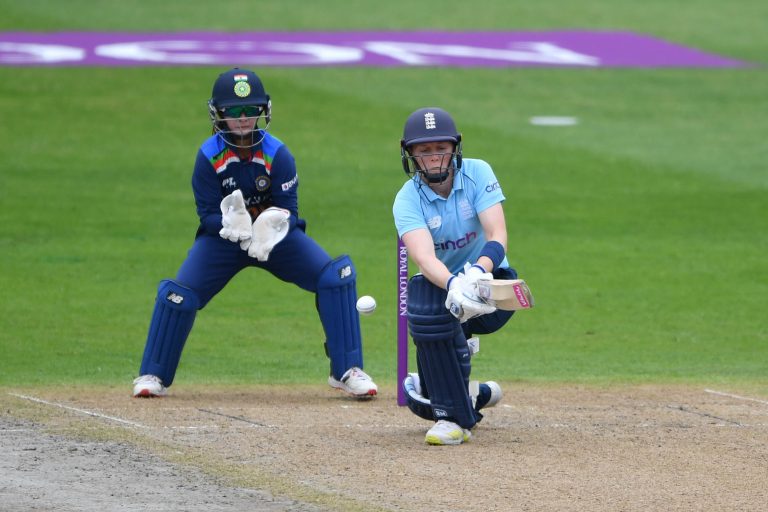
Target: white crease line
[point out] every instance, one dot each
(82, 411)
(736, 396)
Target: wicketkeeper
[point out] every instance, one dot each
(449, 215)
(245, 187)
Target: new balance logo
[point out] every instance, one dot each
(345, 272)
(175, 298)
(435, 222)
(429, 121)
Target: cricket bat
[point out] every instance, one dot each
(506, 294)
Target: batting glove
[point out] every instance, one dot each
(475, 273)
(235, 219)
(463, 302)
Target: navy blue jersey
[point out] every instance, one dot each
(268, 179)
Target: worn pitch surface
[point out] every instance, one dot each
(542, 448)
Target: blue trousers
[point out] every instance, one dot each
(213, 261)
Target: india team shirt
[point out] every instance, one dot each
(453, 221)
(268, 179)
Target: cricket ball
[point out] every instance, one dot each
(366, 305)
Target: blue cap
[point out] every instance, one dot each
(238, 87)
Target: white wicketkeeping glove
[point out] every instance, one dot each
(269, 228)
(463, 302)
(235, 219)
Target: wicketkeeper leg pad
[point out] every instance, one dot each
(442, 353)
(336, 299)
(172, 319)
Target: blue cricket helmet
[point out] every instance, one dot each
(429, 124)
(239, 88)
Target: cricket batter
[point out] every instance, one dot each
(245, 187)
(449, 215)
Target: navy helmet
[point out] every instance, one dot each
(430, 124)
(235, 93)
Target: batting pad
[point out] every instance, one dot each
(417, 403)
(336, 299)
(422, 407)
(172, 319)
(442, 353)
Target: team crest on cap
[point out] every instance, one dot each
(429, 121)
(242, 89)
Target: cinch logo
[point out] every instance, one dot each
(493, 186)
(175, 298)
(449, 245)
(345, 272)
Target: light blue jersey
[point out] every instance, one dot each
(453, 221)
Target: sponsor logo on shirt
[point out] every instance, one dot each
(460, 243)
(289, 184)
(435, 222)
(493, 186)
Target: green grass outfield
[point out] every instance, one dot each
(643, 231)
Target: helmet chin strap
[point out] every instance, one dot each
(439, 178)
(241, 141)
(431, 178)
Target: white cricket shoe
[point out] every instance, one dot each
(148, 386)
(447, 432)
(356, 383)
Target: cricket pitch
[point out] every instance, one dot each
(311, 448)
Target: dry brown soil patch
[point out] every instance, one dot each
(543, 448)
